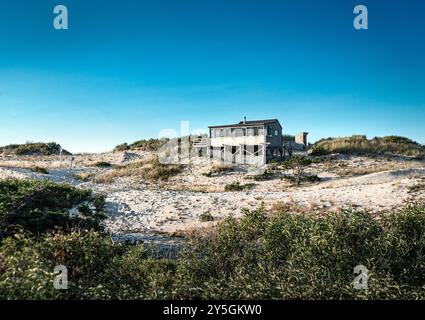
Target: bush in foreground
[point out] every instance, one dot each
(40, 206)
(261, 256)
(289, 256)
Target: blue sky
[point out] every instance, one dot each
(125, 70)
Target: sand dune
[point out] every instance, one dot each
(135, 206)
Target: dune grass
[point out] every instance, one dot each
(144, 144)
(33, 148)
(150, 170)
(359, 144)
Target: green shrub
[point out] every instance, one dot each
(40, 170)
(318, 150)
(265, 176)
(121, 147)
(206, 216)
(86, 255)
(298, 164)
(24, 274)
(135, 275)
(102, 164)
(237, 186)
(97, 268)
(39, 206)
(309, 178)
(259, 256)
(289, 256)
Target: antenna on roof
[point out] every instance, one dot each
(244, 120)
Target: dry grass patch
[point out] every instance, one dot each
(359, 144)
(102, 164)
(216, 169)
(418, 187)
(84, 176)
(26, 165)
(151, 170)
(289, 206)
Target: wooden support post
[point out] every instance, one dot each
(264, 154)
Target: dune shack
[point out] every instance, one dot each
(254, 142)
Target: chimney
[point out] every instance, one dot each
(244, 120)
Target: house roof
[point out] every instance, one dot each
(248, 123)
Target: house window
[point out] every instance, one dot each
(275, 133)
(269, 130)
(237, 132)
(218, 133)
(254, 131)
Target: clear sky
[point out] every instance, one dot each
(125, 70)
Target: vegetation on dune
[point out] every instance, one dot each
(266, 175)
(102, 164)
(260, 256)
(288, 137)
(217, 169)
(298, 164)
(97, 268)
(152, 170)
(156, 144)
(359, 144)
(237, 186)
(33, 149)
(206, 217)
(84, 176)
(344, 169)
(306, 256)
(40, 206)
(38, 169)
(145, 145)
